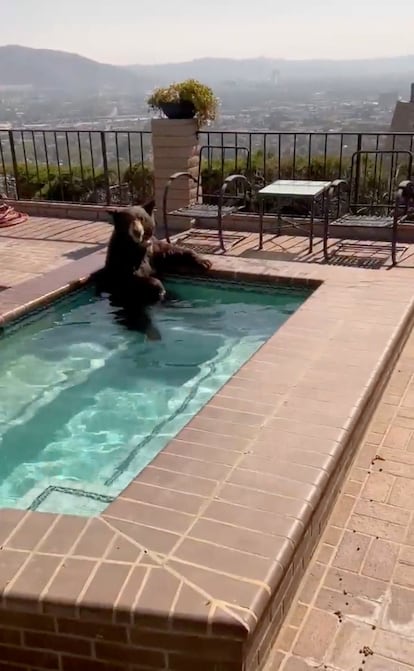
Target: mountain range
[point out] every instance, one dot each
(49, 69)
(60, 70)
(211, 70)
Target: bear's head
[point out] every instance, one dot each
(136, 221)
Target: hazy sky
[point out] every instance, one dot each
(151, 31)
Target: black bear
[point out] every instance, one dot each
(135, 256)
(128, 275)
(133, 259)
(162, 257)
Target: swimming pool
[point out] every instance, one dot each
(86, 404)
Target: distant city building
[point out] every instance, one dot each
(16, 88)
(403, 122)
(275, 77)
(387, 99)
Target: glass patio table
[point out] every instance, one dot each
(308, 191)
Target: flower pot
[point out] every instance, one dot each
(180, 110)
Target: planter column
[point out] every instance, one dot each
(175, 148)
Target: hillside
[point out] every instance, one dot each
(212, 70)
(60, 70)
(48, 69)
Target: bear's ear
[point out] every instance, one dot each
(111, 216)
(114, 216)
(149, 207)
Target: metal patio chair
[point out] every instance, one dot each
(210, 206)
(375, 196)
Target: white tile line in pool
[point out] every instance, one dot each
(42, 492)
(238, 462)
(308, 299)
(390, 335)
(377, 283)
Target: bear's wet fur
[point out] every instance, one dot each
(127, 275)
(166, 258)
(134, 258)
(163, 257)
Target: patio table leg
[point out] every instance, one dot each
(326, 226)
(261, 212)
(279, 217)
(312, 219)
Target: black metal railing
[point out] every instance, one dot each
(111, 167)
(82, 166)
(303, 155)
(312, 156)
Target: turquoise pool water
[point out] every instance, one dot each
(86, 404)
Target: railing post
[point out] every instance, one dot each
(358, 168)
(14, 162)
(105, 167)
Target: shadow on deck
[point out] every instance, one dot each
(372, 255)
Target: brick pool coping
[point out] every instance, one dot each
(194, 565)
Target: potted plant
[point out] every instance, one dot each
(185, 100)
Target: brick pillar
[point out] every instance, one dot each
(175, 149)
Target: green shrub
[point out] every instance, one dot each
(29, 180)
(83, 186)
(77, 186)
(140, 179)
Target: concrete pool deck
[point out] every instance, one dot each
(196, 563)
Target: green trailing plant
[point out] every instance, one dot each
(189, 91)
(140, 180)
